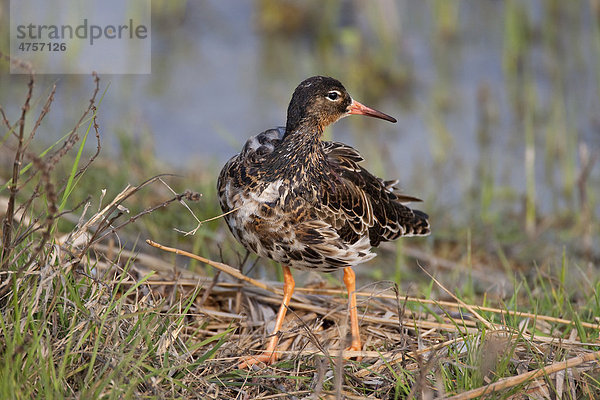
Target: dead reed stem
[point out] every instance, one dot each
(220, 266)
(527, 376)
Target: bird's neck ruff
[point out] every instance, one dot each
(302, 128)
(299, 156)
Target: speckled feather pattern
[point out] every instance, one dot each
(310, 204)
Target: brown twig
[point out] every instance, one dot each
(10, 209)
(52, 209)
(220, 266)
(98, 144)
(73, 137)
(527, 376)
(43, 113)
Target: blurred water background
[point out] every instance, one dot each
(497, 101)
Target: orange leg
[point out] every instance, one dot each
(268, 356)
(350, 281)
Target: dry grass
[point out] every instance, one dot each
(86, 316)
(411, 343)
(417, 342)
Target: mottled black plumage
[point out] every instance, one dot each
(307, 203)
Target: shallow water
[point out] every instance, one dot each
(463, 80)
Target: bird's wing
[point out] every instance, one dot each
(258, 146)
(355, 202)
(253, 153)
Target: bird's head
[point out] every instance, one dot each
(320, 101)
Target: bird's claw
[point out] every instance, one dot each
(265, 358)
(354, 347)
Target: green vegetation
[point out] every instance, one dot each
(89, 310)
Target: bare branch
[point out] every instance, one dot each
(10, 209)
(43, 113)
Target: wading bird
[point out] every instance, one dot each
(309, 204)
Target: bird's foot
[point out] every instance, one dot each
(268, 357)
(354, 347)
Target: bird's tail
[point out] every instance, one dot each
(418, 225)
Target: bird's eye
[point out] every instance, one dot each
(333, 95)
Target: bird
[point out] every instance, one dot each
(310, 204)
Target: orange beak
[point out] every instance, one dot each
(359, 109)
